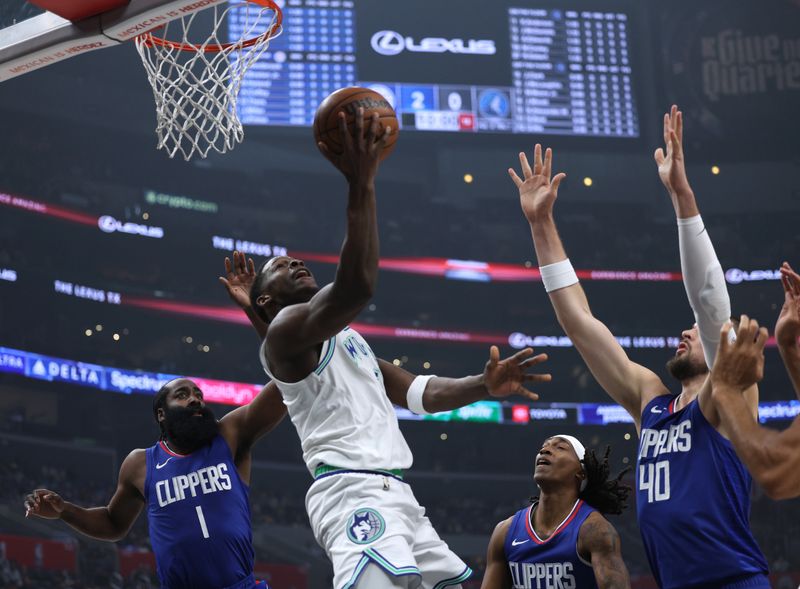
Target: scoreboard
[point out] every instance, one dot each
(517, 68)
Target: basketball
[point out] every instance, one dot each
(349, 100)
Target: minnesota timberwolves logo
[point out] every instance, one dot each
(365, 526)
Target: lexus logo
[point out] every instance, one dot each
(393, 43)
(109, 224)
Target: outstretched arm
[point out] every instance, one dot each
(787, 329)
(600, 542)
(111, 522)
(497, 575)
(500, 378)
(301, 327)
(702, 273)
(239, 277)
(629, 384)
(770, 456)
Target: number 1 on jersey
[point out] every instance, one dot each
(654, 478)
(202, 519)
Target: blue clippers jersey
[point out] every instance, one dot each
(199, 516)
(693, 501)
(551, 563)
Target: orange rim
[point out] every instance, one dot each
(150, 39)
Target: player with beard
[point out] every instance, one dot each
(194, 483)
(339, 397)
(693, 492)
(562, 539)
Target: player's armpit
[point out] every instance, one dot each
(396, 381)
(243, 426)
(299, 328)
(497, 574)
(599, 541)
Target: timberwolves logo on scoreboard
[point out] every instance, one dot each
(494, 103)
(365, 526)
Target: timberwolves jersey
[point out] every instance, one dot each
(341, 410)
(693, 502)
(554, 562)
(199, 518)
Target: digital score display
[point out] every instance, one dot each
(314, 56)
(551, 71)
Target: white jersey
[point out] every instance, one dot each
(341, 411)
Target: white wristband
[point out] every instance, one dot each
(558, 275)
(415, 392)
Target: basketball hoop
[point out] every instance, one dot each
(196, 84)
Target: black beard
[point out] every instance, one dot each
(682, 368)
(188, 432)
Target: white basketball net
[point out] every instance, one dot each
(196, 89)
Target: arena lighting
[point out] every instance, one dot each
(8, 274)
(120, 380)
(715, 170)
(517, 340)
(468, 178)
(587, 181)
(479, 271)
(33, 206)
(453, 269)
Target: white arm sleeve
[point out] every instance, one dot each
(704, 282)
(415, 392)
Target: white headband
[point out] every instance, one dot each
(579, 450)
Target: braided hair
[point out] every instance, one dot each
(604, 494)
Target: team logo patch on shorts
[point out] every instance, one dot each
(365, 526)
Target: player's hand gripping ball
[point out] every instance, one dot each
(349, 100)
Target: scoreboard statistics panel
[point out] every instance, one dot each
(508, 66)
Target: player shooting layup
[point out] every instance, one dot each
(339, 397)
(693, 492)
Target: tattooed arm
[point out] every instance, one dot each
(598, 543)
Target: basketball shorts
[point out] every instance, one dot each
(361, 518)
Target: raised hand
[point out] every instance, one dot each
(44, 503)
(671, 164)
(740, 364)
(239, 277)
(361, 155)
(506, 377)
(787, 329)
(537, 192)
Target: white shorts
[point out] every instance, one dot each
(365, 518)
